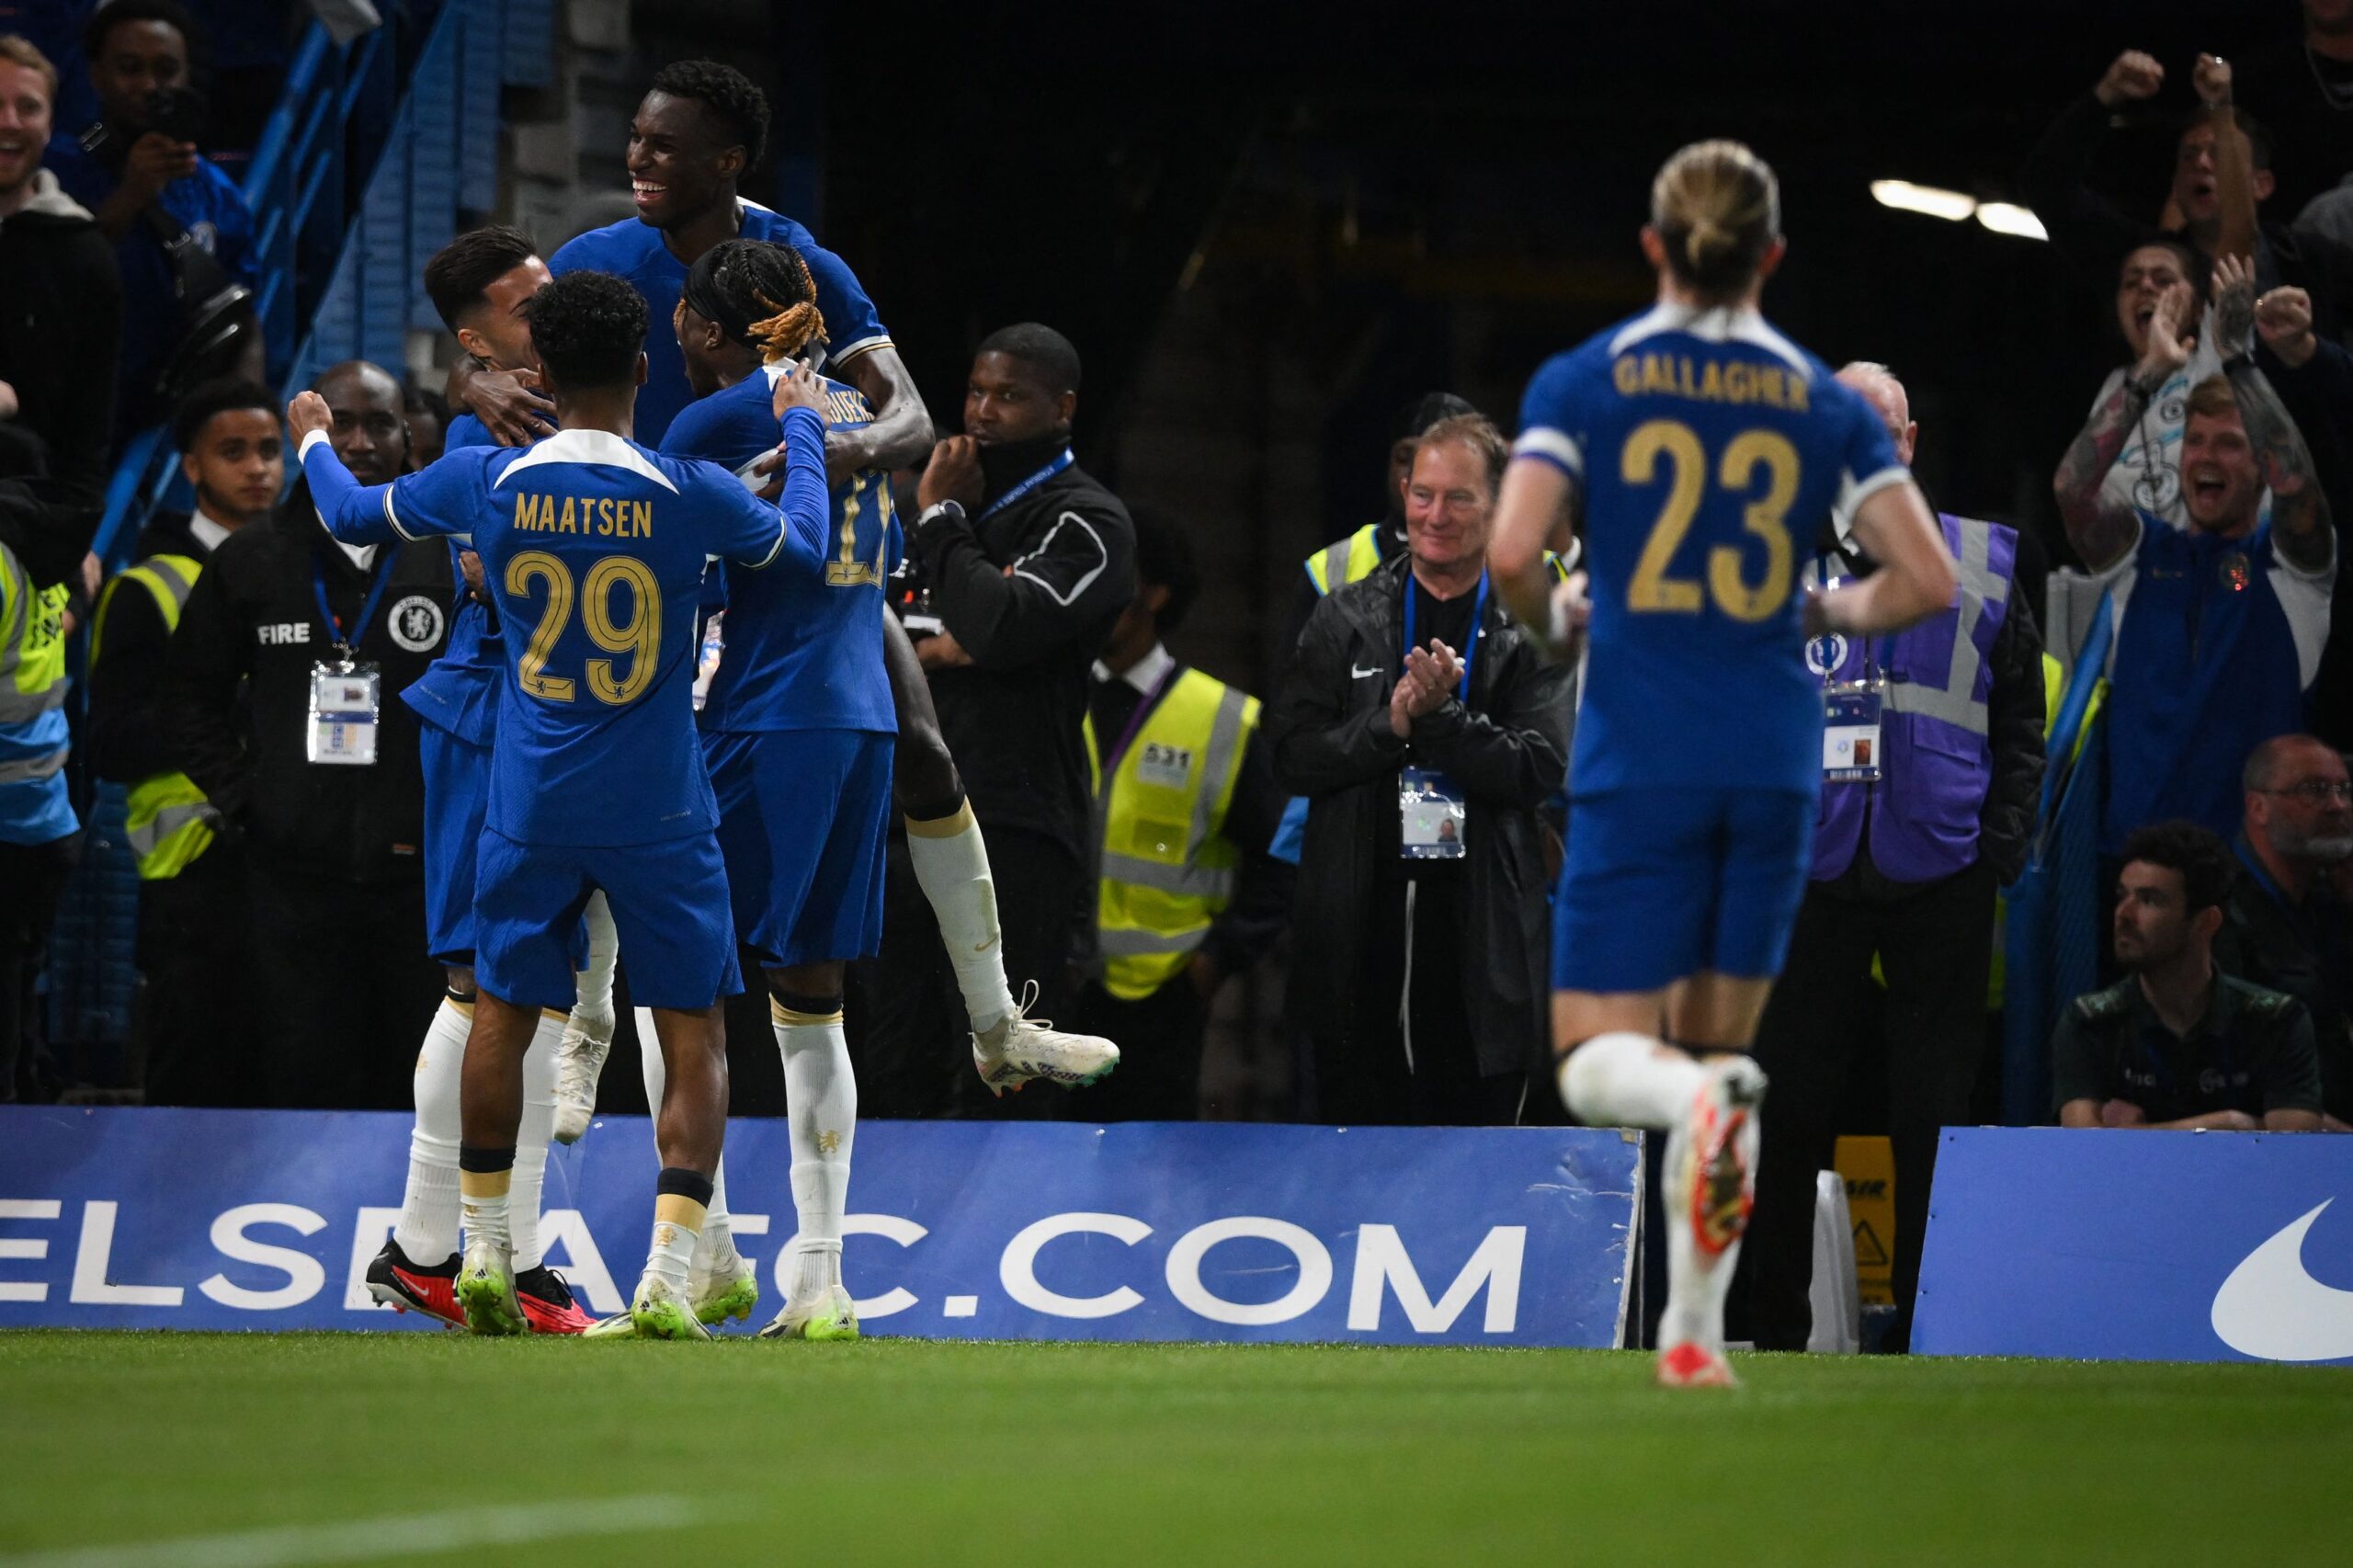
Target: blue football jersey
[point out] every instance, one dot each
(458, 691)
(1709, 450)
(633, 250)
(595, 548)
(801, 651)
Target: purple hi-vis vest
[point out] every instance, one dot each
(1922, 814)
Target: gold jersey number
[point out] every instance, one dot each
(639, 636)
(1677, 446)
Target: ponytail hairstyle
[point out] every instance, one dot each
(1716, 208)
(760, 295)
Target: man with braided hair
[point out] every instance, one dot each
(814, 689)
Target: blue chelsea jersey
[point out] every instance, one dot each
(595, 548)
(801, 651)
(1709, 450)
(458, 691)
(633, 250)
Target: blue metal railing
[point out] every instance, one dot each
(360, 173)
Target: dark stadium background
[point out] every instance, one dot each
(1267, 227)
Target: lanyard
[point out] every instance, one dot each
(344, 646)
(1027, 485)
(2263, 880)
(1144, 706)
(1469, 644)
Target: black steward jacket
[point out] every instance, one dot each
(236, 690)
(1030, 593)
(1508, 747)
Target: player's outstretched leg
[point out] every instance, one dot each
(545, 1297)
(690, 1124)
(491, 1116)
(1710, 1112)
(418, 1269)
(951, 864)
(723, 1283)
(588, 1032)
(821, 1119)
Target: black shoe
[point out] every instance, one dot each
(547, 1303)
(416, 1288)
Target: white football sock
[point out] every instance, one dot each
(594, 984)
(428, 1231)
(820, 1122)
(1697, 1284)
(532, 1136)
(485, 1209)
(713, 1230)
(674, 1233)
(1629, 1080)
(952, 863)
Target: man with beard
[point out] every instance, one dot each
(314, 765)
(2285, 927)
(1027, 562)
(2178, 1045)
(2221, 624)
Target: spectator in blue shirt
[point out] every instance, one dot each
(2222, 623)
(139, 173)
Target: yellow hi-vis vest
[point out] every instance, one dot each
(1166, 865)
(1353, 559)
(32, 662)
(167, 826)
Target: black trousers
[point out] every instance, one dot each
(34, 876)
(1407, 1058)
(196, 1015)
(1159, 1037)
(1935, 944)
(910, 1040)
(343, 989)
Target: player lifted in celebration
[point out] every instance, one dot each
(1701, 453)
(595, 548)
(699, 128)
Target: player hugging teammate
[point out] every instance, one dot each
(578, 537)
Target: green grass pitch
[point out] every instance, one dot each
(909, 1453)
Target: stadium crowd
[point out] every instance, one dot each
(1153, 831)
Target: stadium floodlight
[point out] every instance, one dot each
(1927, 199)
(2004, 218)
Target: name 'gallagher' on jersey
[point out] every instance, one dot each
(596, 548)
(1711, 451)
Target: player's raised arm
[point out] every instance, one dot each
(793, 531)
(410, 508)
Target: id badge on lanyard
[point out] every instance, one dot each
(1431, 813)
(345, 697)
(1851, 752)
(347, 693)
(1431, 810)
(714, 647)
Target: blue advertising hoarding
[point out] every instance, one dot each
(149, 1218)
(2135, 1245)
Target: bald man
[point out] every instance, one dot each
(2286, 927)
(1932, 767)
(285, 626)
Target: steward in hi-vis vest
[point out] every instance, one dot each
(1185, 809)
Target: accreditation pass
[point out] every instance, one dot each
(344, 708)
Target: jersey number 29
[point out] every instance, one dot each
(639, 636)
(1651, 589)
